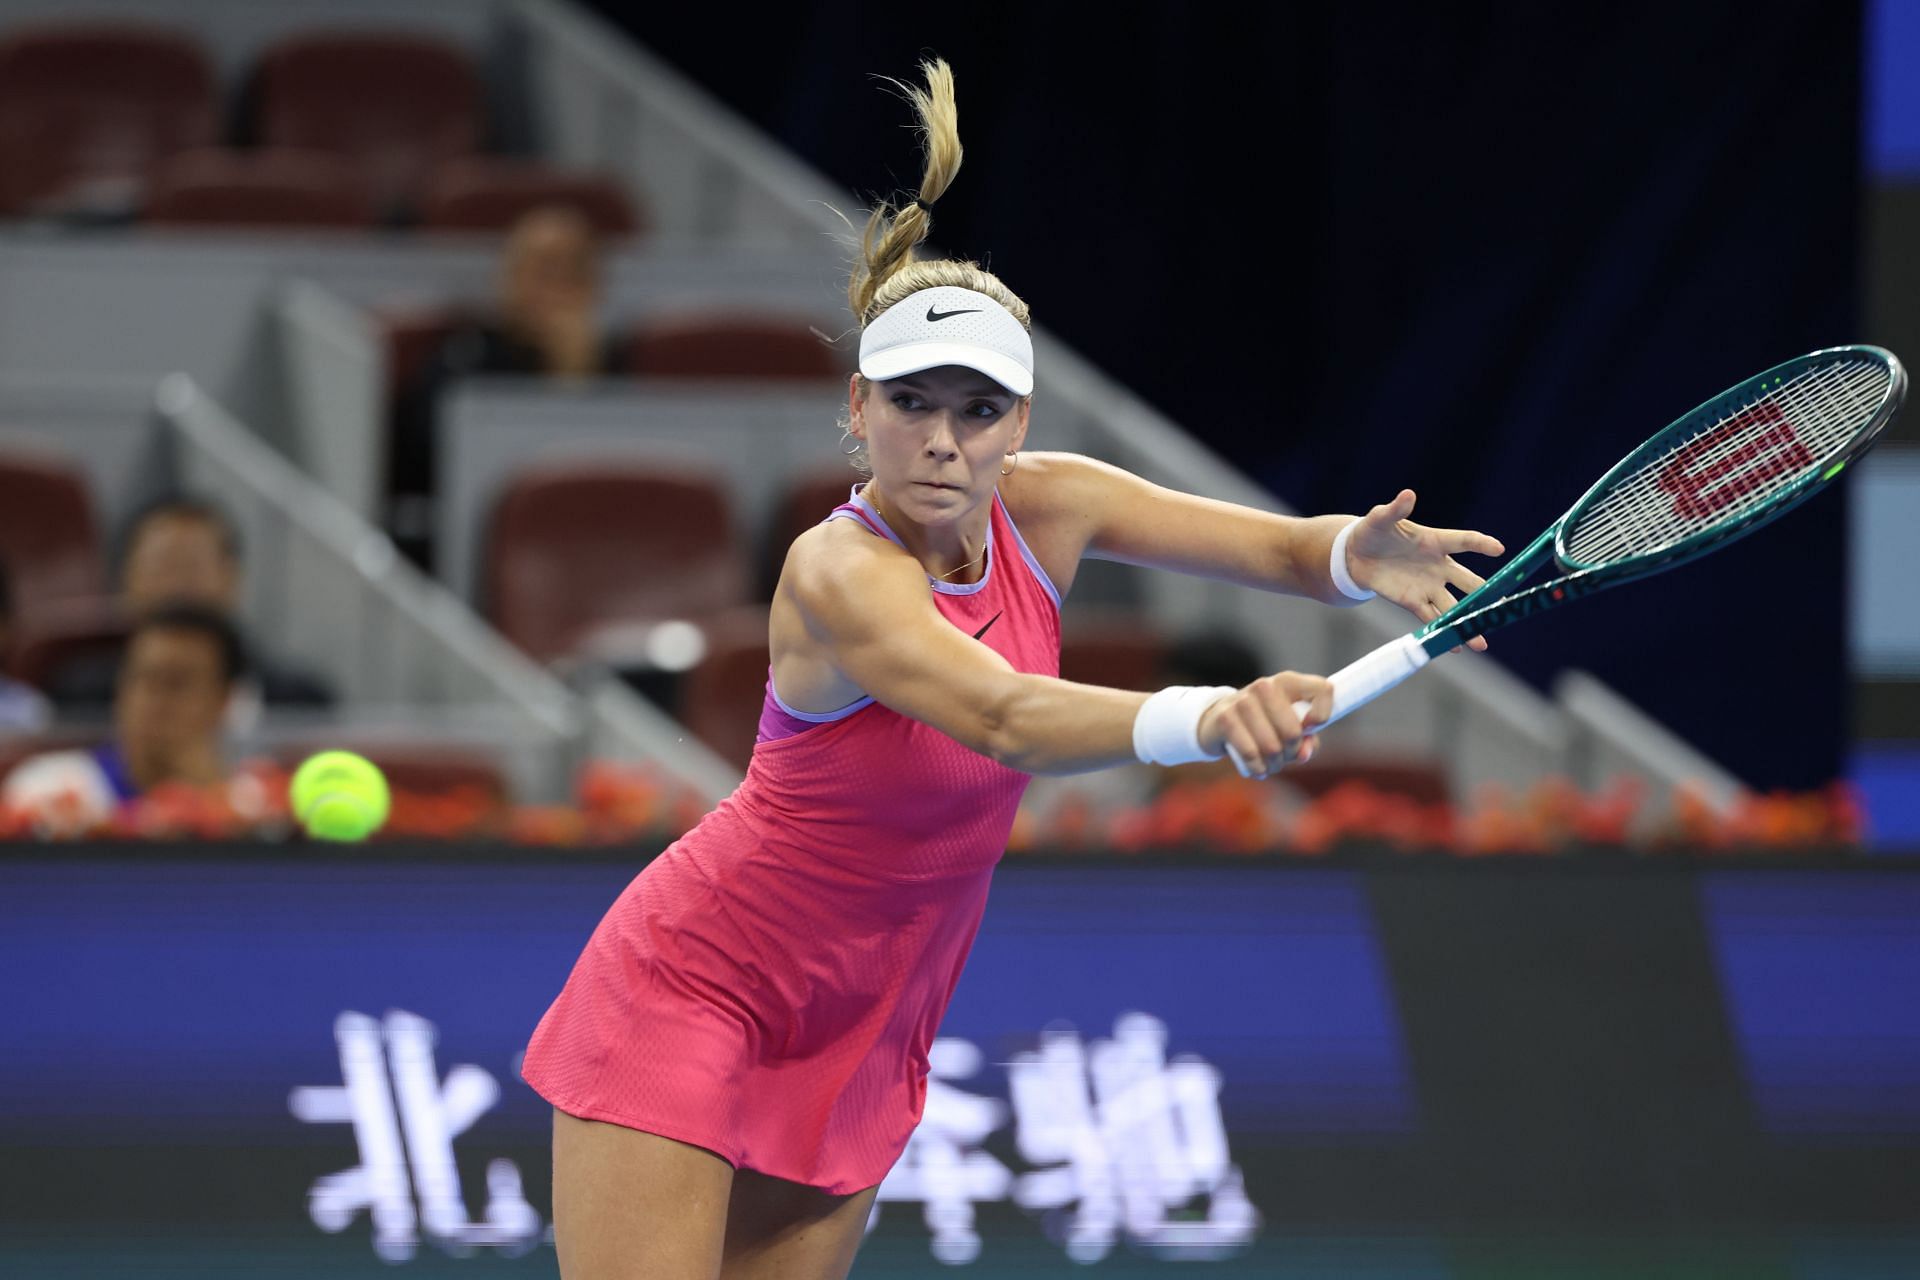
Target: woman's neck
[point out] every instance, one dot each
(954, 553)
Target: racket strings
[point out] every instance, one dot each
(1669, 498)
(1658, 498)
(1721, 472)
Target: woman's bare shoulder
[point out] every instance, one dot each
(1062, 497)
(828, 562)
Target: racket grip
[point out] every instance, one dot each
(1361, 681)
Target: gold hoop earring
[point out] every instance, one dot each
(1007, 471)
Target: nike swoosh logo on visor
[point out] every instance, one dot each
(990, 621)
(942, 315)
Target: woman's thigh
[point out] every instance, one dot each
(779, 1230)
(628, 1204)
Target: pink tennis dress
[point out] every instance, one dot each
(769, 987)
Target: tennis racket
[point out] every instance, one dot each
(1744, 458)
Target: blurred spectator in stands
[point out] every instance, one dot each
(22, 708)
(182, 664)
(183, 549)
(545, 322)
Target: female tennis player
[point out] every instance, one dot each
(741, 1050)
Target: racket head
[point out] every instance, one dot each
(1742, 459)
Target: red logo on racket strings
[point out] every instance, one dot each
(1772, 451)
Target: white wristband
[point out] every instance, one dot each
(1338, 565)
(1167, 730)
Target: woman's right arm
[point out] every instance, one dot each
(867, 612)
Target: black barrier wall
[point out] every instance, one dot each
(281, 1062)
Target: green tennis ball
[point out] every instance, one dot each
(337, 795)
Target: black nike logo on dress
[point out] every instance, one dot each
(990, 621)
(942, 315)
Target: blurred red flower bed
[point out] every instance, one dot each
(1236, 816)
(612, 804)
(618, 803)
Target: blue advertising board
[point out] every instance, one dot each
(308, 1066)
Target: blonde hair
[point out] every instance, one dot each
(886, 270)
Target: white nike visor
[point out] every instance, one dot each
(945, 325)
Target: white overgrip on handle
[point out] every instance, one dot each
(1360, 682)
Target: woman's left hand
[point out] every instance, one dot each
(1412, 565)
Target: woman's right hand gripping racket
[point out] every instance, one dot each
(1750, 454)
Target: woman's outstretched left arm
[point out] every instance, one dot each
(1090, 508)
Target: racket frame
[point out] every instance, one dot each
(1490, 606)
(1472, 616)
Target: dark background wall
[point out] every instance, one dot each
(1475, 250)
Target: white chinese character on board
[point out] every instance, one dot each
(1131, 1144)
(390, 1092)
(942, 1165)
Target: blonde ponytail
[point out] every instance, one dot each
(886, 270)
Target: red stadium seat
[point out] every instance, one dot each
(398, 105)
(286, 189)
(411, 338)
(59, 632)
(807, 501)
(491, 195)
(47, 533)
(1119, 650)
(573, 548)
(721, 696)
(87, 108)
(731, 346)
